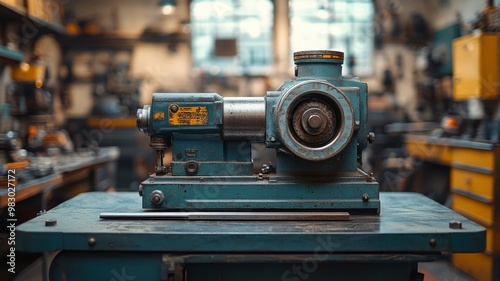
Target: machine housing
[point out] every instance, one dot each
(316, 122)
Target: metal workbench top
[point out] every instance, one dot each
(408, 223)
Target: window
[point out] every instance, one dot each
(242, 32)
(340, 25)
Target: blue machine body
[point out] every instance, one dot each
(315, 122)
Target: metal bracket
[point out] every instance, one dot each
(172, 268)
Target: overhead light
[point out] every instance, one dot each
(167, 6)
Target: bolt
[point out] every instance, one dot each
(455, 225)
(432, 242)
(273, 139)
(271, 167)
(365, 197)
(50, 222)
(140, 189)
(92, 241)
(314, 121)
(191, 168)
(174, 108)
(370, 137)
(157, 197)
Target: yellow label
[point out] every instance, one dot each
(159, 115)
(189, 116)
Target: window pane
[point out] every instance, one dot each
(249, 22)
(341, 25)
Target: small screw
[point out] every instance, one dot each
(455, 225)
(370, 137)
(261, 176)
(191, 168)
(273, 139)
(157, 197)
(365, 197)
(91, 241)
(50, 222)
(432, 242)
(178, 155)
(174, 108)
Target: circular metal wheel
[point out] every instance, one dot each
(314, 120)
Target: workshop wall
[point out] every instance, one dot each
(449, 9)
(398, 54)
(170, 69)
(160, 66)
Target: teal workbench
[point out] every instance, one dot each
(410, 229)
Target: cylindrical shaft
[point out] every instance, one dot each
(244, 118)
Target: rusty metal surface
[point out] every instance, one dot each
(408, 222)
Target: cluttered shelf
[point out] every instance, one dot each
(31, 26)
(65, 167)
(32, 23)
(92, 41)
(9, 55)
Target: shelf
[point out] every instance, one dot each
(99, 41)
(10, 56)
(32, 24)
(9, 12)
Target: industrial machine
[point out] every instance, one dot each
(476, 90)
(316, 123)
(310, 215)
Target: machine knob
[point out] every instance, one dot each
(142, 118)
(314, 121)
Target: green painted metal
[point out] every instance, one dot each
(106, 266)
(407, 223)
(411, 228)
(267, 193)
(216, 157)
(128, 266)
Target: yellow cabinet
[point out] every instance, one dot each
(475, 66)
(475, 189)
(475, 186)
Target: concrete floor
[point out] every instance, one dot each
(433, 271)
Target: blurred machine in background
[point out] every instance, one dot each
(476, 79)
(462, 156)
